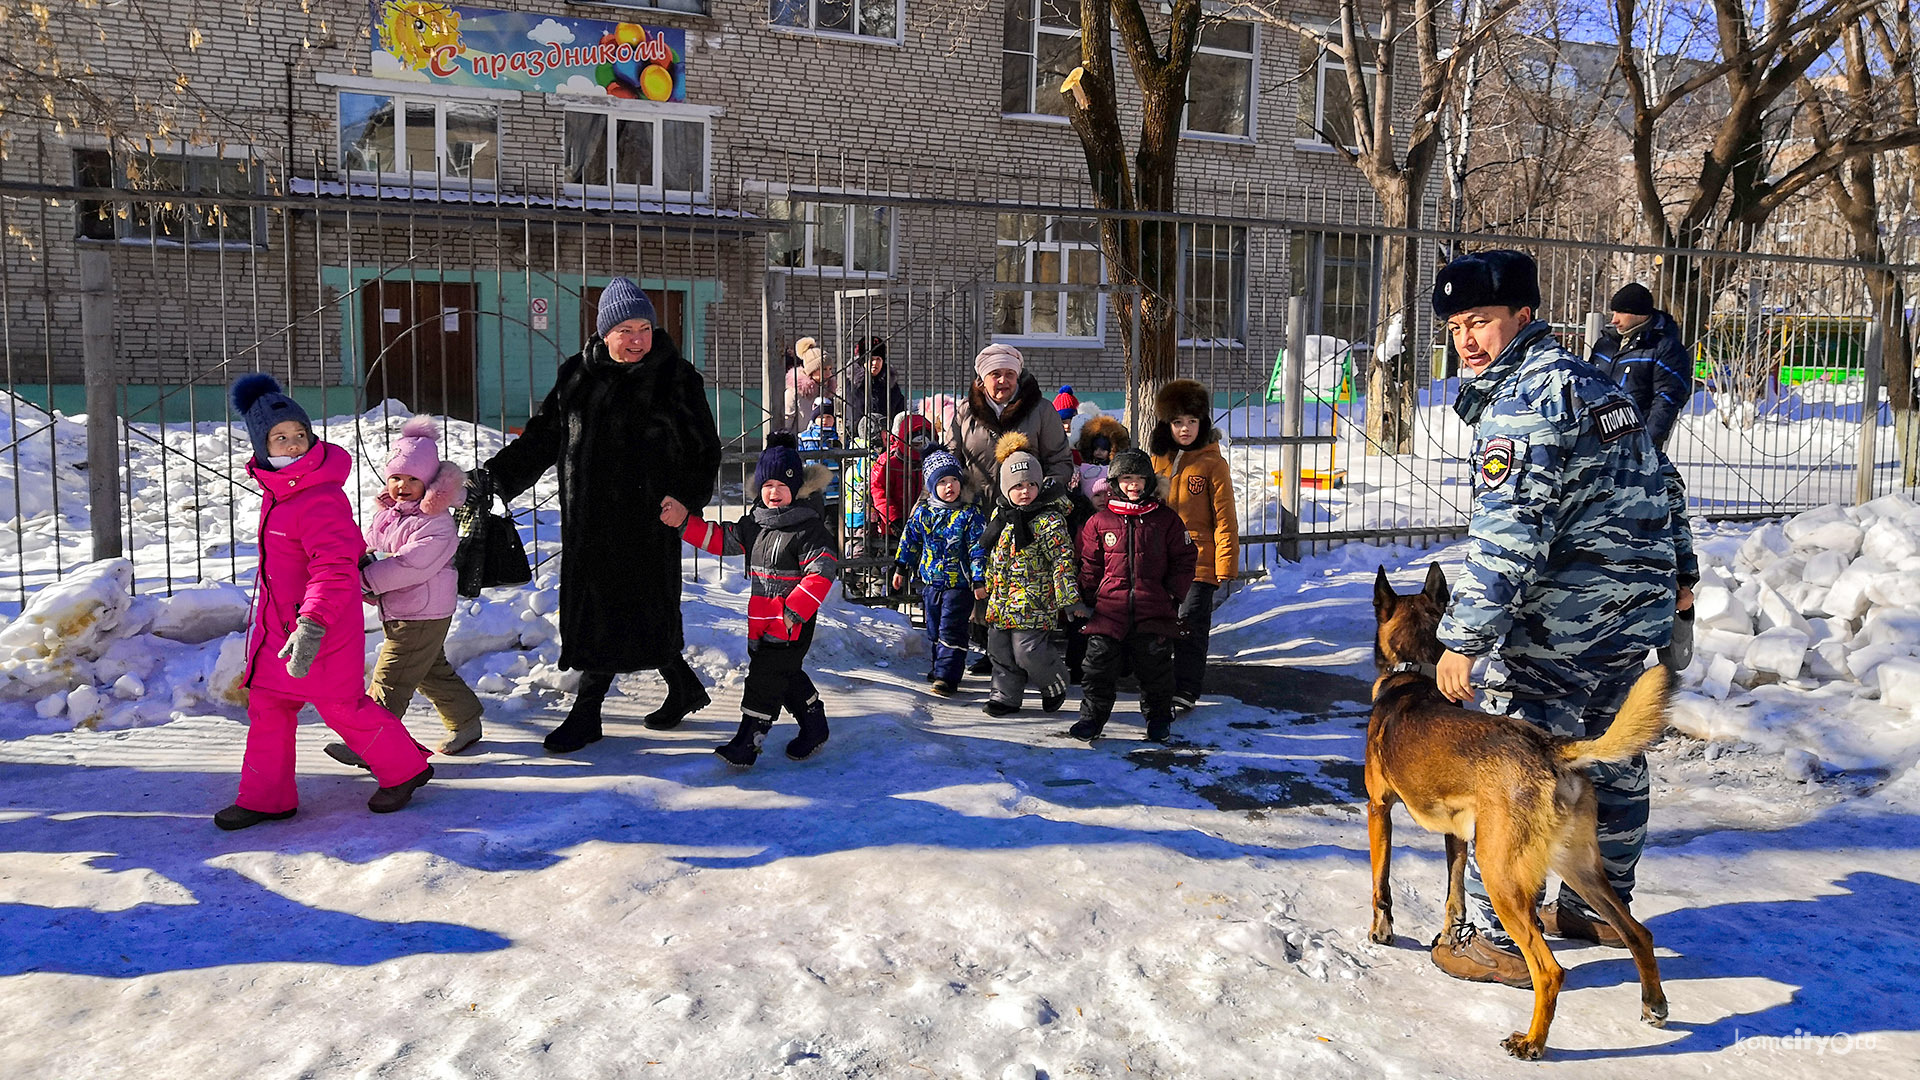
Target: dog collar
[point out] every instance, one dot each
(1406, 666)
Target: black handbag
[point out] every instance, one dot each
(490, 554)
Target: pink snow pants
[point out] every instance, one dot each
(267, 777)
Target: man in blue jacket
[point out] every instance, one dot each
(1570, 574)
(1641, 351)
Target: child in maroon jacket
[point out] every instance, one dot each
(1136, 563)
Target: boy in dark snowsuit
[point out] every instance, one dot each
(942, 550)
(1136, 564)
(792, 564)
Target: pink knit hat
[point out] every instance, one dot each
(416, 452)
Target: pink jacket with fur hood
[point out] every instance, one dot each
(414, 576)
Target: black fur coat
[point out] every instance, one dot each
(623, 436)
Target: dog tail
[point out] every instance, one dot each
(1638, 723)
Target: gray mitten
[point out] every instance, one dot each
(302, 646)
(1678, 653)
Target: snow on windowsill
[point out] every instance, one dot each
(570, 201)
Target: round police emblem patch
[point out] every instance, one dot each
(1496, 461)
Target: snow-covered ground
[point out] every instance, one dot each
(937, 893)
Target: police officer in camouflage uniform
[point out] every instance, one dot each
(1570, 575)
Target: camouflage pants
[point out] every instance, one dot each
(1622, 790)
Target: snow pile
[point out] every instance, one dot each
(64, 629)
(1808, 636)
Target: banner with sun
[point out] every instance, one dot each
(451, 44)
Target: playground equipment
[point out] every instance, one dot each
(1330, 382)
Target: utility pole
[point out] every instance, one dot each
(103, 421)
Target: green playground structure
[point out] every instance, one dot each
(1798, 348)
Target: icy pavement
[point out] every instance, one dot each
(936, 894)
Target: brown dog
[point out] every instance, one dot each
(1515, 789)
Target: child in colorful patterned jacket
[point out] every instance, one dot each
(791, 562)
(942, 550)
(1031, 580)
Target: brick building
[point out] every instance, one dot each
(418, 200)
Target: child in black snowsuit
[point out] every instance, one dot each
(792, 563)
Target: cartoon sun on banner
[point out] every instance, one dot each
(463, 46)
(413, 31)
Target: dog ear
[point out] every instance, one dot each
(1436, 588)
(1383, 596)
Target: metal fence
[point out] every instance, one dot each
(127, 312)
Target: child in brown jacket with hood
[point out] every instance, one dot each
(1186, 450)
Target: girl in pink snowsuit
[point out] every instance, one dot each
(306, 643)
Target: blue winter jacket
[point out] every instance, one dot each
(943, 545)
(1570, 559)
(1651, 365)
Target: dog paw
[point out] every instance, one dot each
(1522, 1047)
(1382, 932)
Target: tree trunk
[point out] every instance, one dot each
(1391, 392)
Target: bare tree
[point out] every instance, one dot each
(1879, 85)
(1141, 253)
(1740, 179)
(1396, 150)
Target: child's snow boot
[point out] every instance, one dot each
(388, 799)
(744, 749)
(339, 752)
(239, 817)
(997, 708)
(1159, 726)
(1089, 726)
(582, 725)
(685, 696)
(813, 732)
(461, 737)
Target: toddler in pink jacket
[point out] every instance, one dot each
(408, 571)
(306, 643)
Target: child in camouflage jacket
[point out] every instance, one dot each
(1032, 578)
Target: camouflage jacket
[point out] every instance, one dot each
(1035, 583)
(1570, 554)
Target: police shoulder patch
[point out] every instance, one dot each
(1616, 419)
(1496, 461)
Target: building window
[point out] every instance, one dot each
(634, 154)
(832, 238)
(1336, 272)
(1326, 106)
(425, 137)
(1220, 85)
(178, 221)
(1213, 284)
(1032, 250)
(858, 18)
(1041, 46)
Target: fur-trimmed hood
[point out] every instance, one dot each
(1116, 433)
(447, 490)
(1026, 396)
(813, 480)
(1161, 443)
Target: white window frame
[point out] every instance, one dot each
(813, 29)
(1237, 305)
(812, 199)
(1313, 140)
(401, 99)
(1029, 248)
(699, 7)
(124, 229)
(1034, 89)
(1253, 93)
(656, 117)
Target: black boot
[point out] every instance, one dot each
(582, 725)
(1159, 726)
(239, 817)
(982, 666)
(685, 696)
(1089, 726)
(813, 732)
(744, 749)
(388, 799)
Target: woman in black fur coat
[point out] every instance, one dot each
(628, 426)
